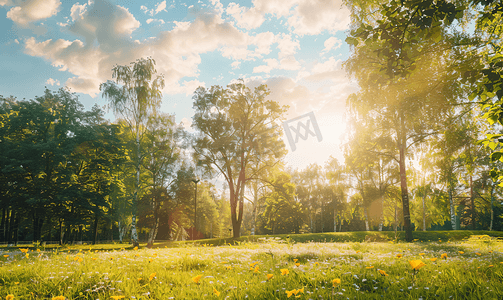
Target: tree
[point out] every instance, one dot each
(406, 84)
(134, 101)
(234, 126)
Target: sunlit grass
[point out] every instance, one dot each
(268, 269)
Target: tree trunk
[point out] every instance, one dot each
(60, 231)
(95, 229)
(492, 210)
(155, 227)
(424, 209)
(396, 221)
(403, 183)
(472, 203)
(9, 224)
(381, 222)
(365, 212)
(134, 233)
(453, 213)
(16, 227)
(3, 226)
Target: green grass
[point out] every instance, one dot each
(114, 270)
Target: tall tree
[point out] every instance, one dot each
(406, 86)
(234, 126)
(134, 101)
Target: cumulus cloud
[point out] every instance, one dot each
(332, 43)
(248, 18)
(106, 42)
(155, 20)
(161, 6)
(24, 12)
(52, 81)
(287, 47)
(312, 17)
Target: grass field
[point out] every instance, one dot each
(461, 265)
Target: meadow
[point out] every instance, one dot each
(463, 265)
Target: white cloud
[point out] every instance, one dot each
(77, 11)
(107, 42)
(235, 64)
(286, 46)
(186, 123)
(52, 81)
(155, 20)
(16, 41)
(312, 17)
(271, 63)
(332, 43)
(248, 18)
(160, 7)
(28, 11)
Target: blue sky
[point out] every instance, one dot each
(296, 47)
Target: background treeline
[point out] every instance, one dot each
(423, 148)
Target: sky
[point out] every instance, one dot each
(296, 47)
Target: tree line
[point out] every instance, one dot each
(429, 93)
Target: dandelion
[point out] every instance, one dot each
(479, 254)
(371, 267)
(433, 259)
(316, 263)
(216, 292)
(269, 276)
(295, 260)
(383, 273)
(117, 297)
(358, 251)
(135, 248)
(444, 255)
(9, 297)
(336, 282)
(17, 282)
(416, 264)
(421, 254)
(81, 259)
(27, 255)
(490, 266)
(197, 278)
(6, 255)
(284, 271)
(59, 298)
(152, 276)
(25, 250)
(399, 255)
(297, 264)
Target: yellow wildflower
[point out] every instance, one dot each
(23, 250)
(416, 264)
(383, 273)
(135, 248)
(421, 254)
(117, 297)
(297, 264)
(479, 254)
(229, 267)
(216, 292)
(152, 276)
(444, 255)
(197, 278)
(336, 282)
(256, 270)
(289, 293)
(284, 271)
(316, 263)
(371, 267)
(59, 298)
(9, 297)
(139, 279)
(6, 255)
(399, 255)
(269, 276)
(295, 260)
(433, 259)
